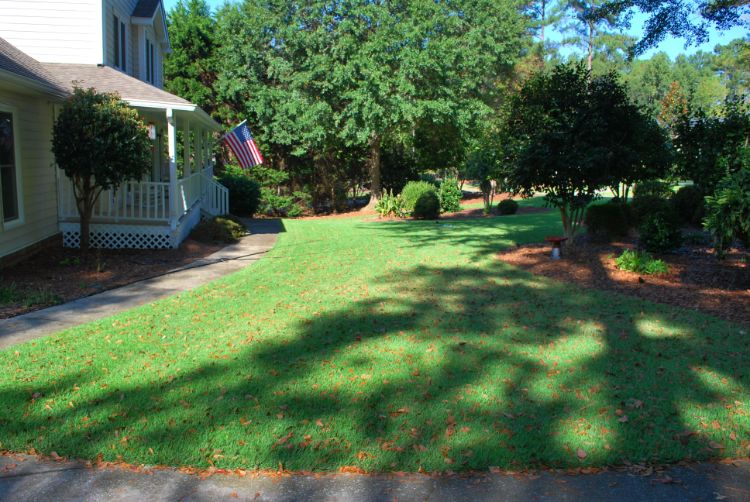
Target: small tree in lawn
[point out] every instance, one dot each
(483, 166)
(570, 135)
(99, 142)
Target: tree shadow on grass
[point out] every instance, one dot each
(467, 368)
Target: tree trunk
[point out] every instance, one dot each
(85, 217)
(567, 229)
(376, 189)
(590, 60)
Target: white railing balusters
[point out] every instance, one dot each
(148, 200)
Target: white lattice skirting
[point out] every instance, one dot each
(121, 236)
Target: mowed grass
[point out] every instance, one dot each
(386, 346)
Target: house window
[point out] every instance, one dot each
(149, 61)
(120, 42)
(9, 175)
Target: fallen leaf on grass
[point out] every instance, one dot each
(580, 453)
(283, 440)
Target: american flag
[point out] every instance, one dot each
(242, 144)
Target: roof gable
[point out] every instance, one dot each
(151, 12)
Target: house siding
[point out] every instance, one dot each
(122, 9)
(54, 31)
(34, 119)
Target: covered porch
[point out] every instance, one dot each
(159, 210)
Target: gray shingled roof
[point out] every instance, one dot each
(145, 8)
(106, 79)
(21, 64)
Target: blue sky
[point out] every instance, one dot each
(672, 46)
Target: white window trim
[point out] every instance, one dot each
(121, 20)
(5, 226)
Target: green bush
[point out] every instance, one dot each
(429, 178)
(646, 206)
(689, 204)
(292, 206)
(660, 233)
(640, 262)
(413, 190)
(728, 209)
(605, 221)
(244, 193)
(427, 206)
(390, 205)
(450, 195)
(507, 206)
(218, 231)
(653, 188)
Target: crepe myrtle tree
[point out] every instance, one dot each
(99, 142)
(569, 134)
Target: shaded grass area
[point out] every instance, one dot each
(387, 346)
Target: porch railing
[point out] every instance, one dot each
(149, 200)
(133, 200)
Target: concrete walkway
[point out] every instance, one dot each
(229, 259)
(25, 478)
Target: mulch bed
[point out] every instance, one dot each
(696, 279)
(56, 274)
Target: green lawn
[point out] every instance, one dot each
(388, 346)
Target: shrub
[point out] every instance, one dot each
(653, 188)
(507, 206)
(390, 205)
(646, 206)
(413, 191)
(450, 196)
(689, 204)
(244, 192)
(605, 221)
(728, 209)
(218, 231)
(429, 178)
(427, 206)
(640, 262)
(660, 233)
(284, 205)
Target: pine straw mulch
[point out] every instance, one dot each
(57, 274)
(696, 279)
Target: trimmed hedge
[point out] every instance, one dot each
(450, 196)
(689, 204)
(427, 206)
(413, 191)
(507, 206)
(244, 193)
(646, 206)
(218, 231)
(606, 221)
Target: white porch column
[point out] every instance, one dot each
(186, 167)
(209, 147)
(172, 150)
(198, 138)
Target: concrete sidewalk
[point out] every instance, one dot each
(25, 478)
(225, 261)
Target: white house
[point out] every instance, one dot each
(52, 46)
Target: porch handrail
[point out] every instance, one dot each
(214, 195)
(132, 200)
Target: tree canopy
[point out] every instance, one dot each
(569, 134)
